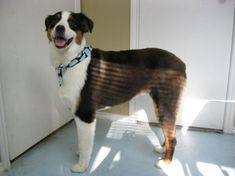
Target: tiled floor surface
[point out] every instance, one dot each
(126, 149)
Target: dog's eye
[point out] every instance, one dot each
(56, 18)
(73, 25)
(53, 23)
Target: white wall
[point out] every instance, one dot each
(28, 82)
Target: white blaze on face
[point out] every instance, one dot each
(69, 34)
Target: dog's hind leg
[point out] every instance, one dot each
(158, 148)
(167, 122)
(85, 134)
(167, 101)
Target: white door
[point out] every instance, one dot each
(28, 82)
(200, 33)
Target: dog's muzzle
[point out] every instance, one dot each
(59, 40)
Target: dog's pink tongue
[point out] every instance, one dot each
(60, 42)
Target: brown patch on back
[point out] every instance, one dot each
(79, 37)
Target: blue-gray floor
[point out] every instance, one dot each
(123, 148)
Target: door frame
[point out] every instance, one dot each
(5, 158)
(134, 38)
(229, 114)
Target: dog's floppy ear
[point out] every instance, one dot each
(51, 20)
(48, 21)
(86, 24)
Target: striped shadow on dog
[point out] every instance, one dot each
(90, 78)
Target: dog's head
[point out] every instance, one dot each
(67, 28)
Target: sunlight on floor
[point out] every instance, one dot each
(116, 159)
(228, 170)
(207, 169)
(100, 157)
(102, 154)
(182, 169)
(125, 127)
(213, 169)
(174, 167)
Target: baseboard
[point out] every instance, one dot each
(110, 116)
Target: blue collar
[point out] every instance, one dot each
(61, 69)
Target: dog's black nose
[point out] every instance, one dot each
(60, 29)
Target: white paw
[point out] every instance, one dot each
(161, 164)
(79, 167)
(159, 149)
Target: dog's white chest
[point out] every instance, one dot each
(73, 82)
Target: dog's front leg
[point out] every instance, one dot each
(85, 133)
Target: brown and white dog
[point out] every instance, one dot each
(91, 78)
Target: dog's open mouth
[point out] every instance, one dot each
(61, 42)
